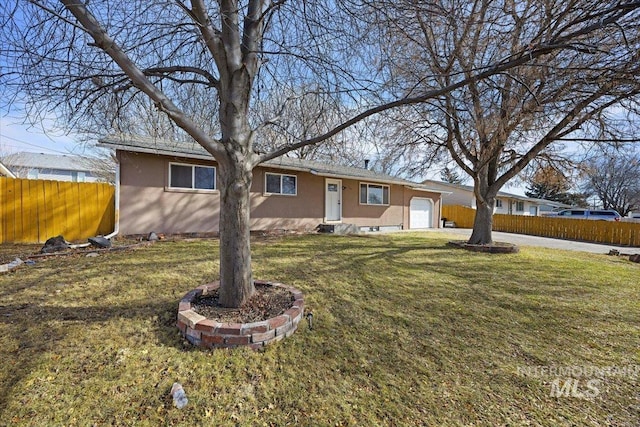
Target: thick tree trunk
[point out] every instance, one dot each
(483, 222)
(236, 281)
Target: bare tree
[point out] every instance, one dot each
(95, 60)
(493, 128)
(295, 113)
(91, 59)
(142, 117)
(614, 178)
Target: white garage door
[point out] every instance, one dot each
(420, 213)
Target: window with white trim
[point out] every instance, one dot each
(520, 206)
(278, 183)
(192, 177)
(374, 194)
(498, 203)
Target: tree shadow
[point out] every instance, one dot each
(38, 329)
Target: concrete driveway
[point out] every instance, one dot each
(545, 242)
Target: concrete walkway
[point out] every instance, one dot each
(545, 242)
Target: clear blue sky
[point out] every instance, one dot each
(16, 136)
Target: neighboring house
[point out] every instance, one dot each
(550, 207)
(49, 166)
(4, 171)
(172, 187)
(506, 203)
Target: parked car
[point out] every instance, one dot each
(597, 214)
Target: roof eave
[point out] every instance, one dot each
(429, 190)
(267, 164)
(366, 178)
(155, 151)
(5, 171)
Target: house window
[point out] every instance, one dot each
(519, 206)
(498, 203)
(374, 194)
(277, 183)
(77, 176)
(192, 177)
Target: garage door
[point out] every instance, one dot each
(420, 213)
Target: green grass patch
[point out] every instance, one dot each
(406, 332)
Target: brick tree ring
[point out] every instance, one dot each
(203, 332)
(495, 248)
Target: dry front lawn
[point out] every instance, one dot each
(406, 332)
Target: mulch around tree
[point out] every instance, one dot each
(267, 302)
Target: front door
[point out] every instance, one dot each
(333, 199)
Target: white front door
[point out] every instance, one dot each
(333, 199)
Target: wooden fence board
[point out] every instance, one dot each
(609, 232)
(28, 211)
(34, 210)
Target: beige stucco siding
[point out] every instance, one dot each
(147, 204)
(304, 211)
(370, 215)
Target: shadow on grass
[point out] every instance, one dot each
(38, 329)
(402, 318)
(46, 306)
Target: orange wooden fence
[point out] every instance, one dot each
(31, 211)
(611, 232)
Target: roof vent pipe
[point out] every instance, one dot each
(366, 163)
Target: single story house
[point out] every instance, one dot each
(54, 167)
(171, 187)
(506, 203)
